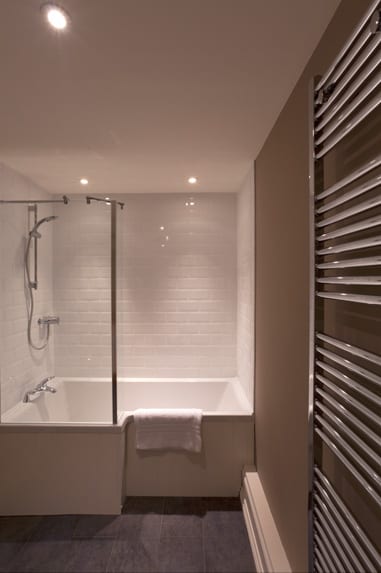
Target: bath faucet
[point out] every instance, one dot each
(41, 387)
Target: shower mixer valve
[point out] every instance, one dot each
(48, 320)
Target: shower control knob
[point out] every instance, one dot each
(49, 320)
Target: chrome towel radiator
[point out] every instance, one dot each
(345, 315)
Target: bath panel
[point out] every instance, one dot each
(62, 456)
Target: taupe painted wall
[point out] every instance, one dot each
(282, 299)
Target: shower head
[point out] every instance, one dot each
(34, 233)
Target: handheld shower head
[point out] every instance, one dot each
(34, 233)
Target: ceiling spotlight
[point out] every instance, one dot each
(162, 228)
(84, 181)
(192, 180)
(56, 16)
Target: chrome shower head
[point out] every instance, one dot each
(34, 233)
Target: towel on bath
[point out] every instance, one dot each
(175, 429)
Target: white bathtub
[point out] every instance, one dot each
(65, 449)
(87, 401)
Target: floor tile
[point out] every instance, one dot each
(228, 554)
(226, 523)
(183, 517)
(181, 555)
(89, 556)
(55, 528)
(97, 526)
(18, 528)
(42, 557)
(181, 526)
(143, 526)
(141, 518)
(8, 552)
(135, 556)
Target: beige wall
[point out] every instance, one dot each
(282, 299)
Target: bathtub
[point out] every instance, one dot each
(61, 456)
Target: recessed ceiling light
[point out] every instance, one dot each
(84, 181)
(192, 180)
(162, 228)
(56, 16)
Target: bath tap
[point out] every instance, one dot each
(41, 387)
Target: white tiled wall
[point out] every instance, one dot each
(20, 367)
(185, 287)
(177, 302)
(245, 285)
(82, 292)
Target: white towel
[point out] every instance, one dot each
(175, 429)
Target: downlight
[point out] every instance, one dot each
(56, 16)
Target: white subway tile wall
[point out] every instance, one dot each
(20, 366)
(245, 286)
(185, 288)
(177, 288)
(82, 294)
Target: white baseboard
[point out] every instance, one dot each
(268, 552)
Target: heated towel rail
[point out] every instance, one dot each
(345, 320)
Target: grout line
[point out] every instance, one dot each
(162, 516)
(203, 538)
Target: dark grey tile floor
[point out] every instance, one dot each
(174, 535)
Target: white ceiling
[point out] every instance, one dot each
(140, 94)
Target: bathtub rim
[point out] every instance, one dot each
(127, 416)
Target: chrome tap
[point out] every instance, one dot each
(41, 387)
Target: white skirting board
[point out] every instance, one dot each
(269, 554)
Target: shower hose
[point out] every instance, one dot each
(30, 301)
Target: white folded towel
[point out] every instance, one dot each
(175, 429)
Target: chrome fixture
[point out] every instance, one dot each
(113, 220)
(41, 387)
(34, 233)
(106, 200)
(29, 284)
(64, 200)
(48, 320)
(344, 379)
